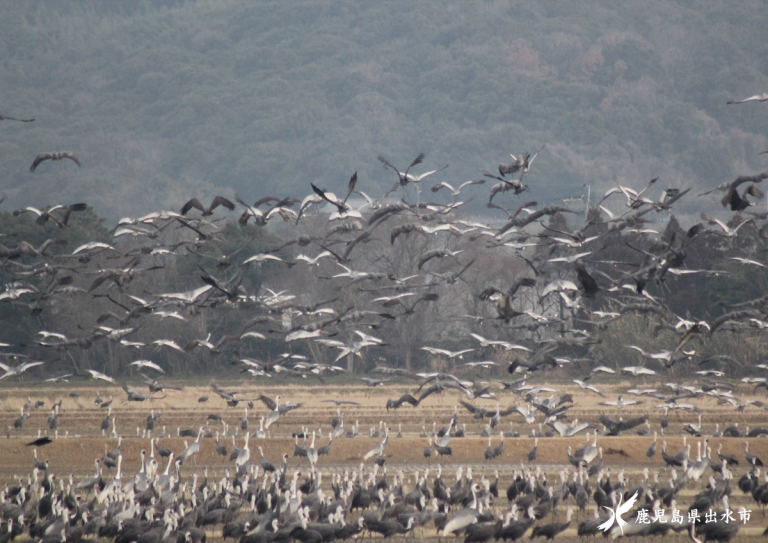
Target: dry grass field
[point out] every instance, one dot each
(80, 441)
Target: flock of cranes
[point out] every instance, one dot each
(371, 273)
(257, 500)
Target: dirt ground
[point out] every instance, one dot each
(80, 441)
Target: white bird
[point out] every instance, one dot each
(12, 371)
(590, 451)
(711, 372)
(169, 315)
(728, 231)
(456, 192)
(378, 450)
(497, 343)
(529, 414)
(94, 245)
(355, 348)
(100, 376)
(585, 386)
(620, 403)
(273, 415)
(352, 274)
(387, 299)
(261, 257)
(747, 261)
(167, 343)
(314, 261)
(418, 178)
(557, 286)
(312, 452)
(483, 364)
(570, 259)
(303, 334)
(568, 431)
(465, 517)
(368, 337)
(245, 453)
(47, 334)
(147, 364)
(446, 352)
(192, 449)
(637, 370)
(260, 433)
(603, 369)
(186, 297)
(756, 98)
(574, 244)
(664, 355)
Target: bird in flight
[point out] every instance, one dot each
(756, 98)
(53, 156)
(207, 211)
(39, 442)
(5, 118)
(521, 163)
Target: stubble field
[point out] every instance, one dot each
(80, 441)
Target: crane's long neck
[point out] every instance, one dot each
(168, 467)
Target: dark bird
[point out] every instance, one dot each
(331, 198)
(403, 177)
(732, 198)
(53, 156)
(5, 118)
(207, 211)
(588, 282)
(616, 427)
(410, 309)
(521, 282)
(751, 458)
(40, 441)
(405, 398)
(231, 289)
(534, 453)
(437, 253)
(740, 202)
(549, 531)
(262, 217)
(713, 531)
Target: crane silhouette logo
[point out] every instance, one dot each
(621, 508)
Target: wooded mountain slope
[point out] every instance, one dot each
(162, 101)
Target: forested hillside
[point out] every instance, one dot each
(162, 101)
